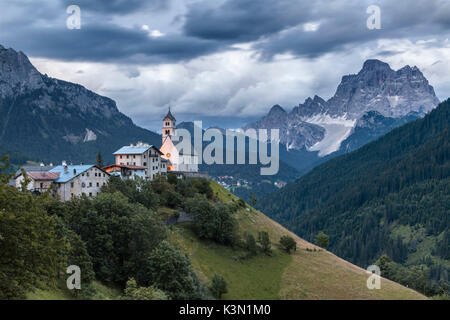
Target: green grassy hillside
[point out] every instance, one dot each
(308, 273)
(302, 275)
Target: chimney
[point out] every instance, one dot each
(64, 163)
(41, 164)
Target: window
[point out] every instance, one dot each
(87, 174)
(145, 164)
(120, 156)
(42, 185)
(134, 156)
(90, 194)
(71, 184)
(96, 174)
(128, 157)
(167, 131)
(98, 184)
(83, 185)
(90, 184)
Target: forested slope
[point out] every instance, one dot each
(390, 197)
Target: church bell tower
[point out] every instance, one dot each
(168, 127)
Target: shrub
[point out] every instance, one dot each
(171, 271)
(264, 241)
(322, 240)
(250, 243)
(218, 286)
(212, 222)
(133, 292)
(288, 244)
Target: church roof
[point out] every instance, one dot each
(169, 116)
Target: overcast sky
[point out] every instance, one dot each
(225, 62)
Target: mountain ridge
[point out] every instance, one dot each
(376, 87)
(54, 120)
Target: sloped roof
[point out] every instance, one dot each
(127, 166)
(33, 168)
(136, 149)
(72, 172)
(43, 175)
(169, 116)
(133, 150)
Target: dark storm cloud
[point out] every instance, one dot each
(244, 20)
(342, 24)
(106, 43)
(275, 26)
(39, 29)
(119, 7)
(346, 27)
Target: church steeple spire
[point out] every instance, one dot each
(170, 116)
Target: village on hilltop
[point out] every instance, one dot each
(139, 160)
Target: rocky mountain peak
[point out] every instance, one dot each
(17, 74)
(375, 93)
(276, 110)
(372, 65)
(379, 88)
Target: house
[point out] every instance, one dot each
(126, 171)
(180, 160)
(40, 181)
(74, 181)
(141, 155)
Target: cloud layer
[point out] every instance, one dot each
(225, 58)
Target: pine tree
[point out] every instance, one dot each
(99, 161)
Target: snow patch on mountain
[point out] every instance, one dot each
(337, 129)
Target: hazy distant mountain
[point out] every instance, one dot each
(53, 120)
(319, 125)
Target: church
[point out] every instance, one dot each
(179, 160)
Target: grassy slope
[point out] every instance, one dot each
(303, 275)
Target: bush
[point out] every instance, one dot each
(77, 254)
(137, 191)
(250, 243)
(172, 179)
(241, 203)
(171, 271)
(288, 244)
(322, 240)
(212, 222)
(218, 286)
(264, 241)
(133, 292)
